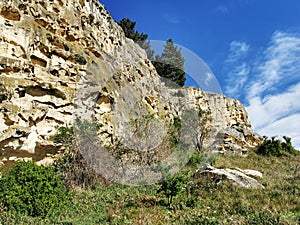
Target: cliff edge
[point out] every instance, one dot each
(62, 60)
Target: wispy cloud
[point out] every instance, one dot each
(236, 68)
(265, 110)
(280, 63)
(237, 78)
(237, 51)
(274, 90)
(229, 5)
(209, 77)
(269, 84)
(171, 18)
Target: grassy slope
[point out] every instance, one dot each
(278, 203)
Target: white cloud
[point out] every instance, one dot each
(264, 111)
(237, 51)
(274, 92)
(281, 62)
(237, 75)
(287, 126)
(209, 77)
(237, 79)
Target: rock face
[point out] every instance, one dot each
(53, 53)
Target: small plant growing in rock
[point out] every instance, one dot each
(195, 159)
(73, 166)
(80, 59)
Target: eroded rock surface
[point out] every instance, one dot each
(243, 178)
(50, 50)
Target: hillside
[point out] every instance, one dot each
(66, 66)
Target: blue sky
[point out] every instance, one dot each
(251, 46)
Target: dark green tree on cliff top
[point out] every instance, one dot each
(170, 64)
(128, 27)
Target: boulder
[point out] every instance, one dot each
(243, 178)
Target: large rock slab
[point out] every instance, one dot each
(243, 178)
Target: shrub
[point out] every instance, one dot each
(74, 168)
(195, 159)
(274, 147)
(191, 202)
(32, 190)
(171, 187)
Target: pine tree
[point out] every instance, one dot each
(170, 64)
(128, 27)
(172, 55)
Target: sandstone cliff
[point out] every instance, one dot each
(63, 60)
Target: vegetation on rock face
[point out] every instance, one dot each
(32, 190)
(73, 167)
(199, 123)
(169, 65)
(35, 195)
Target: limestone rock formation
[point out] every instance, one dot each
(243, 178)
(66, 59)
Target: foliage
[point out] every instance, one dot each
(278, 203)
(74, 168)
(33, 190)
(140, 38)
(64, 135)
(171, 187)
(170, 64)
(171, 55)
(174, 132)
(199, 126)
(275, 147)
(195, 159)
(170, 73)
(204, 127)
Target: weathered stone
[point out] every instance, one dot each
(50, 57)
(10, 13)
(240, 177)
(46, 161)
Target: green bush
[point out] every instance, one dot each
(32, 190)
(191, 202)
(64, 135)
(172, 186)
(195, 159)
(274, 147)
